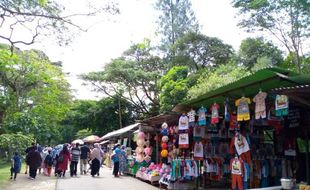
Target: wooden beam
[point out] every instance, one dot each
(300, 100)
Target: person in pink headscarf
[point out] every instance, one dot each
(96, 158)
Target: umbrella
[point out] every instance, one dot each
(80, 141)
(91, 139)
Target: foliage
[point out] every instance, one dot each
(15, 143)
(83, 133)
(174, 87)
(198, 51)
(133, 77)
(253, 49)
(4, 173)
(175, 20)
(222, 75)
(287, 20)
(34, 18)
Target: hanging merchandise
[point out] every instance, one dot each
(233, 123)
(226, 112)
(215, 113)
(202, 116)
(243, 113)
(240, 143)
(199, 133)
(260, 106)
(191, 117)
(281, 105)
(183, 122)
(140, 147)
(237, 171)
(183, 140)
(164, 144)
(198, 151)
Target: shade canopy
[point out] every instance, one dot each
(265, 80)
(122, 131)
(91, 139)
(80, 141)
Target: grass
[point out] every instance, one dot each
(4, 173)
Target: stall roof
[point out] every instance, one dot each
(119, 132)
(265, 79)
(159, 119)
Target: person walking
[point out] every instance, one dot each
(122, 161)
(48, 163)
(75, 156)
(96, 160)
(34, 161)
(16, 165)
(115, 159)
(62, 161)
(33, 145)
(85, 153)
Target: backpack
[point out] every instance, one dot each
(49, 160)
(61, 158)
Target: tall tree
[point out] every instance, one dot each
(133, 77)
(176, 19)
(33, 18)
(253, 49)
(287, 20)
(198, 51)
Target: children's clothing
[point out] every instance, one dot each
(183, 122)
(214, 113)
(243, 109)
(202, 116)
(281, 105)
(260, 106)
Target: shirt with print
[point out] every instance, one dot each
(281, 102)
(183, 122)
(202, 114)
(243, 108)
(236, 166)
(198, 151)
(191, 115)
(214, 113)
(259, 100)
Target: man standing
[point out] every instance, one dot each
(75, 156)
(85, 151)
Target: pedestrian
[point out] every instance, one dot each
(62, 161)
(33, 145)
(75, 156)
(48, 163)
(16, 165)
(122, 161)
(115, 159)
(34, 160)
(44, 153)
(96, 160)
(85, 153)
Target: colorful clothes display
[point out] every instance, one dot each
(237, 171)
(281, 105)
(183, 122)
(202, 116)
(240, 143)
(214, 113)
(260, 105)
(226, 112)
(198, 151)
(199, 133)
(191, 117)
(183, 140)
(233, 123)
(243, 113)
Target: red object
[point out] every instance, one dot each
(63, 166)
(164, 145)
(236, 180)
(233, 123)
(215, 113)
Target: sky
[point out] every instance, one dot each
(112, 35)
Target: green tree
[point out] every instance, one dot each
(198, 51)
(253, 49)
(175, 20)
(222, 75)
(34, 18)
(133, 77)
(174, 87)
(287, 20)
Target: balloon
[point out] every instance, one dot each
(147, 158)
(141, 135)
(165, 139)
(164, 145)
(164, 153)
(164, 125)
(147, 151)
(164, 132)
(140, 142)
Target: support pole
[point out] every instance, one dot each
(307, 157)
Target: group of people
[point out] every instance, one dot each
(119, 159)
(59, 158)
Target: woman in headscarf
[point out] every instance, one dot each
(122, 161)
(96, 160)
(63, 160)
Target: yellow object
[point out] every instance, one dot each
(304, 187)
(243, 109)
(164, 153)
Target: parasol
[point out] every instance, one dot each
(91, 139)
(80, 141)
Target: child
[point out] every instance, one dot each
(16, 165)
(48, 163)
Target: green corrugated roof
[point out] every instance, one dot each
(265, 79)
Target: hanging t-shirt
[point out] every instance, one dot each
(281, 105)
(191, 116)
(202, 116)
(183, 122)
(199, 133)
(183, 140)
(241, 144)
(233, 123)
(198, 151)
(226, 112)
(260, 106)
(236, 166)
(214, 113)
(243, 113)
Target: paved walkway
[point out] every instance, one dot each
(104, 181)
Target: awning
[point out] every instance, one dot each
(122, 131)
(104, 142)
(265, 79)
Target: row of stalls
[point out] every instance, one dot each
(248, 134)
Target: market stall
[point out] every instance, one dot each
(250, 133)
